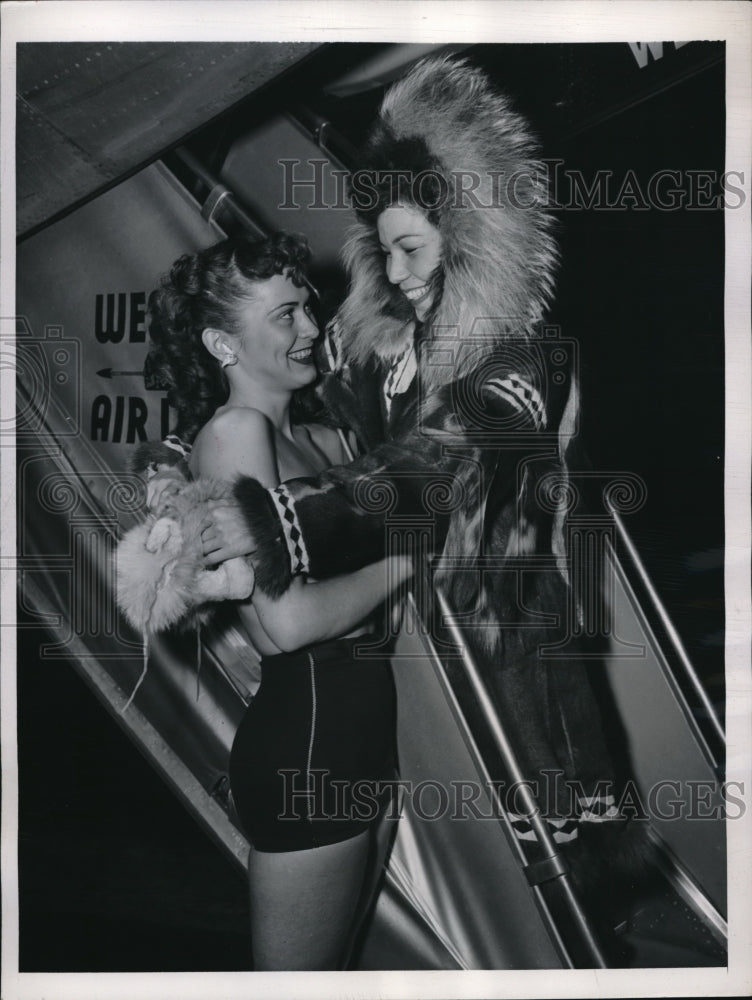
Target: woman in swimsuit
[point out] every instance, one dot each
(233, 331)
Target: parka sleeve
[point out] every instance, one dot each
(341, 520)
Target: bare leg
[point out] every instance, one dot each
(382, 839)
(303, 904)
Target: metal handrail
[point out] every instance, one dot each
(219, 194)
(552, 856)
(324, 135)
(670, 628)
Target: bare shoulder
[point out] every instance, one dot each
(237, 440)
(229, 419)
(233, 424)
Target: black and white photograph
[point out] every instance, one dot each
(375, 461)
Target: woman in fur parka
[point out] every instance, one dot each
(468, 404)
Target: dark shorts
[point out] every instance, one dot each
(313, 747)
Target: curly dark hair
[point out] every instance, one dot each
(202, 290)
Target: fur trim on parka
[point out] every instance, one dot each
(499, 254)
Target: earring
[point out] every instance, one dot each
(229, 359)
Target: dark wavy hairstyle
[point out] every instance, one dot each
(203, 290)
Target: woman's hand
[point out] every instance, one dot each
(225, 534)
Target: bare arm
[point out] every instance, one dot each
(243, 440)
(312, 612)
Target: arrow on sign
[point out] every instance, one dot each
(110, 373)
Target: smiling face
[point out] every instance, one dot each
(412, 246)
(275, 331)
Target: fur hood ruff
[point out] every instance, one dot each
(499, 254)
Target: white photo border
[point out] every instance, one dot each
(442, 22)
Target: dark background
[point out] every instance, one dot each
(114, 874)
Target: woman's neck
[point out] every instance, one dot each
(274, 405)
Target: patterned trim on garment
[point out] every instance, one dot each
(562, 830)
(567, 429)
(521, 395)
(174, 442)
(331, 344)
(593, 809)
(598, 808)
(285, 506)
(400, 376)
